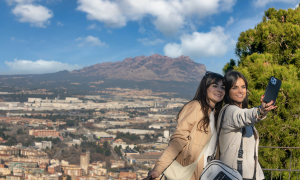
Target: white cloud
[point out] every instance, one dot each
(146, 41)
(60, 24)
(38, 67)
(36, 15)
(263, 3)
(92, 26)
(11, 2)
(197, 44)
(230, 21)
(90, 41)
(167, 16)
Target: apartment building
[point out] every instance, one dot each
(43, 133)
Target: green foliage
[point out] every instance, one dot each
(132, 137)
(229, 66)
(11, 141)
(117, 149)
(20, 131)
(53, 140)
(71, 123)
(137, 148)
(105, 144)
(105, 149)
(272, 48)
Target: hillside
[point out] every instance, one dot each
(155, 67)
(158, 73)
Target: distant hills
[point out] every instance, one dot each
(158, 73)
(155, 67)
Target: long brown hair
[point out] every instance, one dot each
(231, 78)
(201, 97)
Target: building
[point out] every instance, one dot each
(145, 159)
(73, 171)
(129, 152)
(153, 152)
(30, 170)
(43, 133)
(42, 145)
(84, 161)
(6, 157)
(21, 165)
(119, 142)
(12, 177)
(127, 175)
(132, 131)
(117, 164)
(54, 168)
(39, 161)
(4, 171)
(166, 134)
(30, 153)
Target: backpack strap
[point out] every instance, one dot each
(212, 157)
(240, 155)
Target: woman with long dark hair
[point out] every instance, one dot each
(195, 128)
(239, 138)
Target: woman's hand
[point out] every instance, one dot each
(264, 107)
(153, 174)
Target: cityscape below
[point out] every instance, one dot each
(116, 135)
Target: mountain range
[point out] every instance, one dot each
(155, 67)
(156, 72)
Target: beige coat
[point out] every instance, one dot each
(230, 139)
(187, 142)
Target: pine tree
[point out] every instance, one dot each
(272, 48)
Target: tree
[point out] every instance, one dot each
(272, 48)
(107, 152)
(105, 144)
(229, 66)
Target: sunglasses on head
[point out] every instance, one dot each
(209, 72)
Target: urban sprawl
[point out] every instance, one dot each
(118, 135)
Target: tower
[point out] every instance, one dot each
(84, 161)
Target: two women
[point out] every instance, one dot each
(196, 126)
(238, 140)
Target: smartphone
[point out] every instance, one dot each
(272, 90)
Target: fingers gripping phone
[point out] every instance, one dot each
(272, 90)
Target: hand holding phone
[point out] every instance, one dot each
(272, 90)
(266, 107)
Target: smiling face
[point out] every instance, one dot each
(238, 91)
(215, 93)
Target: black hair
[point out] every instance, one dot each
(201, 97)
(231, 78)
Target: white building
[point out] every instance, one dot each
(132, 131)
(42, 145)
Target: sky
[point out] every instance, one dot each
(45, 36)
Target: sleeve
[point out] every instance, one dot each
(180, 137)
(237, 118)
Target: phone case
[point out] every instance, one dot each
(272, 90)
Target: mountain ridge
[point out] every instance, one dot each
(154, 67)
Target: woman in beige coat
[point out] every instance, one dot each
(196, 125)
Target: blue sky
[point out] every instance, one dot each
(43, 36)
